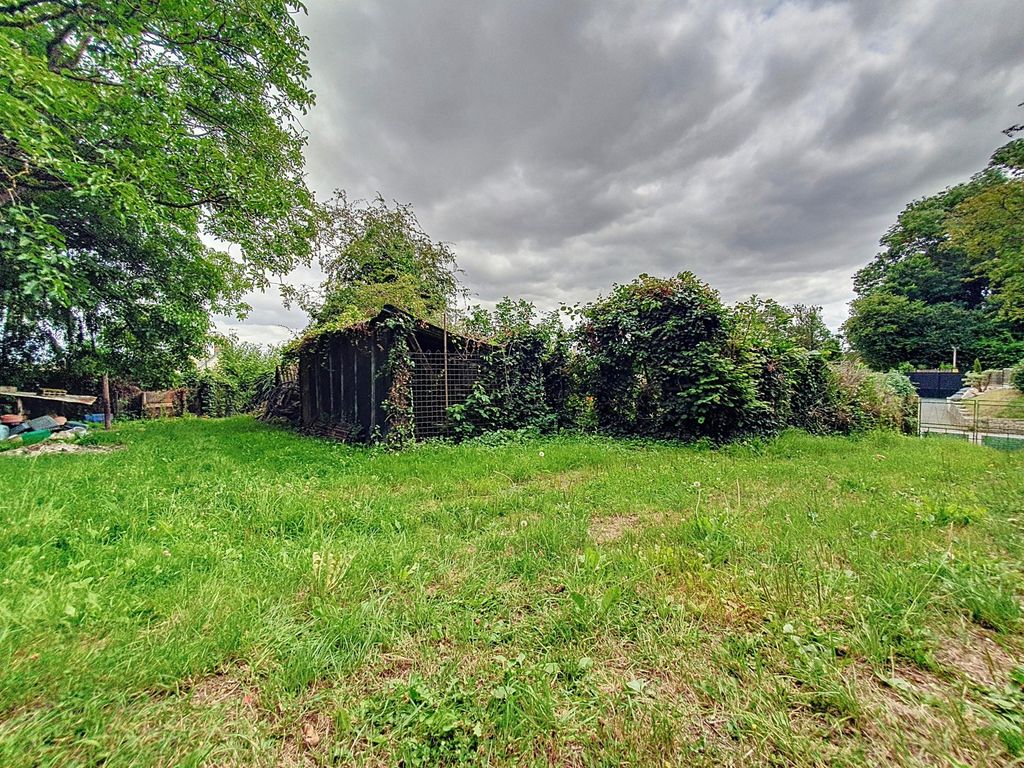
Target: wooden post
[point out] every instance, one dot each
(107, 415)
(446, 402)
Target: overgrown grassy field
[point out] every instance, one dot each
(227, 593)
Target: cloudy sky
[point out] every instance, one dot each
(563, 145)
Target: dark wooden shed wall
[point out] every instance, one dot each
(342, 380)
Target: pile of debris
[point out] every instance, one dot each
(15, 429)
(283, 404)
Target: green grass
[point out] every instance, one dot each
(1002, 403)
(227, 593)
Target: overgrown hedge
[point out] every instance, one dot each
(663, 358)
(211, 393)
(518, 388)
(240, 380)
(659, 362)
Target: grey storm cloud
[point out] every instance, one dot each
(565, 145)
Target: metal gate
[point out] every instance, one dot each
(998, 425)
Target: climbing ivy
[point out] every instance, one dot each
(525, 376)
(397, 369)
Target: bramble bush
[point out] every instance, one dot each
(239, 381)
(664, 358)
(524, 377)
(660, 362)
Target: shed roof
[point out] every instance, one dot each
(424, 327)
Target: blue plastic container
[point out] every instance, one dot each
(96, 418)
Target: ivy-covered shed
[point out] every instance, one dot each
(392, 377)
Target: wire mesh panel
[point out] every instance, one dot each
(437, 385)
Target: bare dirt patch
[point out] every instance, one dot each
(51, 446)
(977, 657)
(608, 529)
(912, 716)
(227, 691)
(299, 746)
(570, 479)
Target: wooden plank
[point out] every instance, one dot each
(75, 399)
(107, 415)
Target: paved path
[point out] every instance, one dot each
(936, 412)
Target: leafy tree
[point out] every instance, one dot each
(375, 254)
(126, 130)
(889, 329)
(989, 228)
(765, 323)
(949, 273)
(510, 318)
(141, 307)
(808, 331)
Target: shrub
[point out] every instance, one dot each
(510, 392)
(815, 400)
(663, 358)
(661, 363)
(1017, 376)
(239, 381)
(872, 400)
(849, 397)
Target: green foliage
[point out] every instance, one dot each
(524, 376)
(1017, 376)
(665, 359)
(127, 129)
(787, 346)
(949, 275)
(139, 308)
(660, 363)
(176, 113)
(374, 254)
(847, 397)
(766, 324)
(876, 400)
(398, 406)
(989, 228)
(816, 400)
(239, 379)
